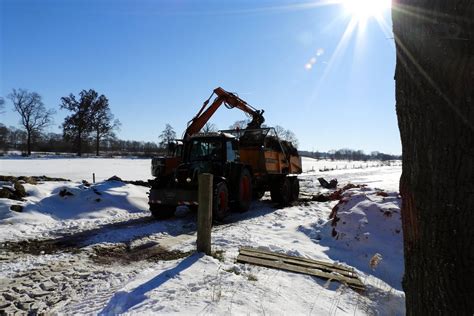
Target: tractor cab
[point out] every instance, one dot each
(216, 147)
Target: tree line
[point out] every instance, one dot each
(12, 138)
(89, 128)
(349, 154)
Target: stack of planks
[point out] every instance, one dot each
(326, 270)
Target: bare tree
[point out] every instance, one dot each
(167, 136)
(280, 131)
(291, 137)
(34, 116)
(209, 128)
(286, 134)
(102, 120)
(239, 124)
(2, 105)
(435, 100)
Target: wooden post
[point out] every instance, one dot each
(204, 221)
(93, 177)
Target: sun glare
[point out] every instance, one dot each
(362, 10)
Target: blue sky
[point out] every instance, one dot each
(157, 61)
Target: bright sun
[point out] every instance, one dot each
(362, 10)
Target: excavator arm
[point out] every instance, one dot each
(230, 100)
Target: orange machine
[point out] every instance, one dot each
(245, 162)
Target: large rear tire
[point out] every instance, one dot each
(220, 207)
(295, 189)
(244, 192)
(160, 211)
(281, 192)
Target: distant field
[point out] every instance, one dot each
(77, 169)
(310, 164)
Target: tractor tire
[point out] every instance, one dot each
(160, 211)
(220, 205)
(295, 189)
(244, 192)
(281, 192)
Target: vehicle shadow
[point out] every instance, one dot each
(122, 301)
(257, 209)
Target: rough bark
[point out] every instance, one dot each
(435, 98)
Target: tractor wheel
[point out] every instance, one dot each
(281, 192)
(244, 192)
(295, 189)
(160, 211)
(220, 207)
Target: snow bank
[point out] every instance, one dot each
(45, 209)
(365, 231)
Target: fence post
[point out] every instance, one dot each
(204, 221)
(93, 177)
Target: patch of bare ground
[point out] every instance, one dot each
(123, 254)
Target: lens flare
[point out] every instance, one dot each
(362, 10)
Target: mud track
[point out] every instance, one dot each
(73, 266)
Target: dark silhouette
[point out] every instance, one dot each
(434, 92)
(103, 123)
(34, 116)
(90, 114)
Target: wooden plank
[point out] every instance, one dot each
(352, 282)
(298, 262)
(329, 264)
(311, 261)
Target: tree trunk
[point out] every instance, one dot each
(97, 142)
(28, 142)
(79, 144)
(435, 108)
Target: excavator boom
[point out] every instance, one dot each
(231, 101)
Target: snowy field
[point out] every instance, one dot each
(97, 251)
(77, 169)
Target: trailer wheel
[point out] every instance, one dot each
(281, 192)
(160, 211)
(220, 207)
(295, 189)
(244, 192)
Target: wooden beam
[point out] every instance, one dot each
(311, 261)
(316, 268)
(302, 263)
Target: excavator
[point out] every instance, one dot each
(245, 164)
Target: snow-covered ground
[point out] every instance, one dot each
(109, 255)
(77, 169)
